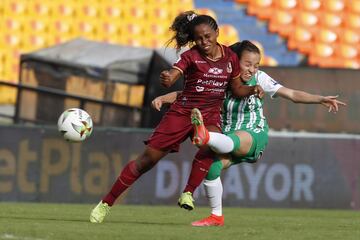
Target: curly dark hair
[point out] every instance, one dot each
(184, 24)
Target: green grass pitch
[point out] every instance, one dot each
(37, 221)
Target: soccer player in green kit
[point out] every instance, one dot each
(244, 126)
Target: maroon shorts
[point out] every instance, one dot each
(174, 128)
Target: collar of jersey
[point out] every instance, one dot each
(222, 53)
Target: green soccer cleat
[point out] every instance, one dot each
(186, 201)
(99, 212)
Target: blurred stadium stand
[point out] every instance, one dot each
(327, 31)
(249, 27)
(32, 25)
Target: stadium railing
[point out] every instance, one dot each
(82, 102)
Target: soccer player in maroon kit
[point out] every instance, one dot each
(209, 69)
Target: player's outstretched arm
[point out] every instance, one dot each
(297, 96)
(239, 90)
(159, 101)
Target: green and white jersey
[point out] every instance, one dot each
(247, 113)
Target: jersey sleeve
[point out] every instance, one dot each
(183, 62)
(269, 85)
(235, 66)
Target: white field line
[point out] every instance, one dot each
(7, 236)
(287, 134)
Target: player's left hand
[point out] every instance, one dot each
(332, 103)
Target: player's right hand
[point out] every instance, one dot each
(332, 103)
(157, 103)
(165, 78)
(259, 91)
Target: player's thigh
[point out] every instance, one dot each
(246, 141)
(173, 129)
(257, 147)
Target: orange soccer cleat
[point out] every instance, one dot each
(212, 220)
(201, 134)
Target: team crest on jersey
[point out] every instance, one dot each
(215, 71)
(229, 67)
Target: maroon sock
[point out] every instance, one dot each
(200, 168)
(127, 177)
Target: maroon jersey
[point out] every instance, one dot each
(206, 80)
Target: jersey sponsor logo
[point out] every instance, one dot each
(229, 68)
(274, 82)
(251, 101)
(215, 71)
(200, 61)
(216, 91)
(199, 89)
(214, 76)
(183, 101)
(212, 82)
